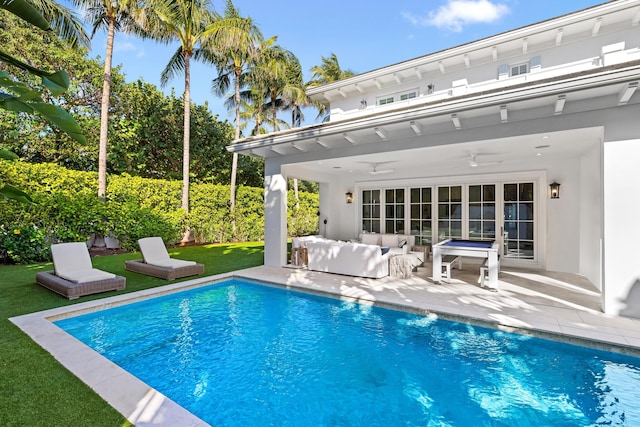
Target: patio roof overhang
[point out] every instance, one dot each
(604, 87)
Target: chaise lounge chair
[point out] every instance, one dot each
(156, 262)
(74, 276)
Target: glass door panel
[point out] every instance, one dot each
(420, 221)
(482, 212)
(449, 212)
(371, 211)
(519, 225)
(394, 210)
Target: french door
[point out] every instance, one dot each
(519, 222)
(502, 211)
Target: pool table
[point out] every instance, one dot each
(467, 248)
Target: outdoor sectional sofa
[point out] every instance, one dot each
(352, 259)
(365, 258)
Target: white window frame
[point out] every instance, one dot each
(519, 68)
(385, 100)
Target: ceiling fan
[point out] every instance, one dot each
(474, 163)
(375, 171)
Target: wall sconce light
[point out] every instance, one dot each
(349, 196)
(363, 104)
(555, 190)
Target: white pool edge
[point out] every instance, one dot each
(139, 403)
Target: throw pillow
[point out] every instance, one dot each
(402, 243)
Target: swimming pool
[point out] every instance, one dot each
(237, 353)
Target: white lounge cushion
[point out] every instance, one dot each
(370, 239)
(70, 257)
(72, 262)
(390, 240)
(153, 250)
(172, 263)
(85, 276)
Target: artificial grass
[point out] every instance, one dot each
(35, 389)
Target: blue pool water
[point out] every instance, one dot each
(243, 354)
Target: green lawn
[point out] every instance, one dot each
(37, 391)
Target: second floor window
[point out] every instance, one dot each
(399, 96)
(409, 95)
(519, 69)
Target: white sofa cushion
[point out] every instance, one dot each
(370, 239)
(301, 242)
(353, 259)
(390, 240)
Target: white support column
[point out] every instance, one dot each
(275, 216)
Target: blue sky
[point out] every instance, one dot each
(364, 35)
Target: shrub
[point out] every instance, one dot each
(67, 209)
(24, 244)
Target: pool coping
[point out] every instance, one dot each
(141, 404)
(144, 406)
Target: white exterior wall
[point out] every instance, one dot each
(334, 208)
(621, 235)
(275, 215)
(591, 220)
(563, 217)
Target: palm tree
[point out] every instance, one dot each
(328, 72)
(189, 22)
(294, 99)
(63, 21)
(114, 16)
(278, 75)
(234, 43)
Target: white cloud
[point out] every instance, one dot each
(128, 48)
(456, 13)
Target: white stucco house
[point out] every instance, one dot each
(465, 142)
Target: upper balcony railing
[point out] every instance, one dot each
(611, 54)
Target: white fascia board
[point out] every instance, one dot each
(456, 105)
(487, 43)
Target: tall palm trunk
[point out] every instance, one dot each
(104, 112)
(234, 160)
(234, 163)
(295, 180)
(185, 142)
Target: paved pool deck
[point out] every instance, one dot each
(552, 305)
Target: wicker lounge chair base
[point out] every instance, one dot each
(73, 290)
(167, 273)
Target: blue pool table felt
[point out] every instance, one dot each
(469, 243)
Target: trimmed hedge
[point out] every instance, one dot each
(67, 209)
